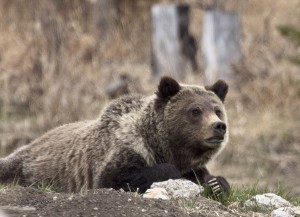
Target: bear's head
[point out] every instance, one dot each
(194, 119)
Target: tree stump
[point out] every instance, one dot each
(220, 44)
(173, 48)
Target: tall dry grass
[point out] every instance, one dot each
(55, 62)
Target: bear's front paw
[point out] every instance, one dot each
(218, 185)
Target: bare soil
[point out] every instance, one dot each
(20, 201)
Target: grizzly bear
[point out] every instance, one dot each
(137, 140)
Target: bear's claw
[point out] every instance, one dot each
(215, 187)
(219, 186)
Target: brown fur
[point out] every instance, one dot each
(133, 135)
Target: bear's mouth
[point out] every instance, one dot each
(215, 140)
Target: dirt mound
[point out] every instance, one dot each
(19, 201)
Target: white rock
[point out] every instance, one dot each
(286, 212)
(267, 201)
(157, 193)
(179, 188)
(296, 210)
(2, 214)
(281, 212)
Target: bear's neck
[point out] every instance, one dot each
(155, 136)
(190, 156)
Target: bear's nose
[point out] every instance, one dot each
(219, 127)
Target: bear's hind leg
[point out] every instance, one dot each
(10, 168)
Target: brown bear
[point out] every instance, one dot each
(137, 140)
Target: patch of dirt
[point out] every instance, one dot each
(20, 201)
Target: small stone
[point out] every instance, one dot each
(143, 210)
(17, 208)
(2, 214)
(280, 213)
(296, 210)
(95, 208)
(179, 188)
(286, 212)
(55, 198)
(129, 199)
(267, 201)
(157, 193)
(70, 198)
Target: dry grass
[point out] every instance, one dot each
(54, 66)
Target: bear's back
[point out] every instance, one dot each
(76, 153)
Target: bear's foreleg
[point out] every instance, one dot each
(158, 173)
(217, 184)
(134, 177)
(131, 172)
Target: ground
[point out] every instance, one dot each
(19, 201)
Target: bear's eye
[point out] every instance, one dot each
(196, 112)
(218, 113)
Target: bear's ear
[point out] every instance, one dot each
(167, 87)
(220, 88)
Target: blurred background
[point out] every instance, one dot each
(63, 60)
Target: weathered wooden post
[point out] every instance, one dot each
(220, 44)
(173, 48)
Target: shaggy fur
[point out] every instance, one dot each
(136, 141)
